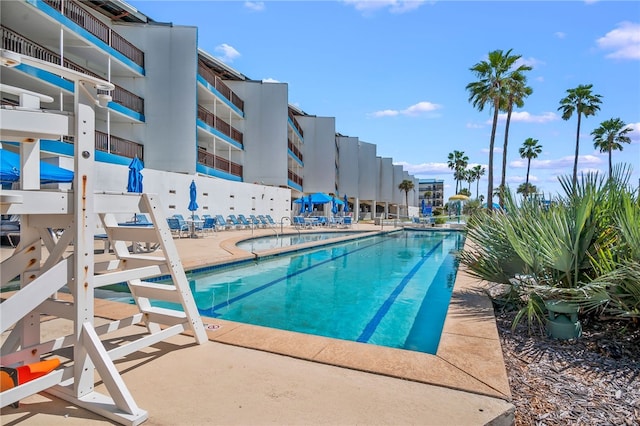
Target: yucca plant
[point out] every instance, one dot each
(583, 249)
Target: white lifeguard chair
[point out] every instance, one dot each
(70, 261)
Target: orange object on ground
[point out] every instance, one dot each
(12, 377)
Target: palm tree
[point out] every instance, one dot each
(478, 172)
(516, 90)
(526, 189)
(610, 136)
(406, 186)
(457, 161)
(490, 90)
(581, 101)
(529, 150)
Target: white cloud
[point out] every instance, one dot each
(227, 53)
(623, 42)
(635, 133)
(525, 117)
(394, 6)
(559, 34)
(256, 6)
(496, 150)
(532, 62)
(559, 164)
(474, 126)
(425, 168)
(414, 110)
(270, 80)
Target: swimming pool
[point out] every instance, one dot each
(273, 241)
(389, 290)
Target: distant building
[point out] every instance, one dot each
(432, 191)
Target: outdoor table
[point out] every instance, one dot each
(193, 224)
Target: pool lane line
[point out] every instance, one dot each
(211, 311)
(384, 308)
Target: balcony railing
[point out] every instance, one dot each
(114, 145)
(219, 163)
(295, 150)
(217, 82)
(20, 44)
(295, 178)
(295, 123)
(220, 125)
(77, 14)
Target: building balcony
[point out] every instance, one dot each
(218, 163)
(114, 145)
(219, 85)
(19, 44)
(295, 178)
(220, 125)
(295, 123)
(73, 11)
(295, 150)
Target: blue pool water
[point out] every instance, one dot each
(273, 242)
(392, 290)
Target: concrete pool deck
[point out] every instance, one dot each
(255, 375)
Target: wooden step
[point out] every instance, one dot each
(164, 316)
(155, 291)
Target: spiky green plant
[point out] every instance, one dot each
(583, 249)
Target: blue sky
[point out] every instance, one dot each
(394, 73)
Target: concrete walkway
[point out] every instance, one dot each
(299, 379)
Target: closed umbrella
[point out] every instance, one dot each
(193, 206)
(135, 177)
(424, 208)
(345, 209)
(134, 183)
(193, 193)
(334, 206)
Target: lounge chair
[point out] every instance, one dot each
(209, 225)
(270, 220)
(347, 222)
(263, 220)
(10, 228)
(176, 227)
(221, 222)
(255, 221)
(235, 222)
(243, 220)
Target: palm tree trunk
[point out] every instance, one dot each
(575, 160)
(504, 154)
(526, 184)
(496, 106)
(610, 163)
(478, 187)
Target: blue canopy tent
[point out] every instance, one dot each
(10, 170)
(317, 198)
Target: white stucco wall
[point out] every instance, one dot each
(349, 174)
(319, 153)
(265, 130)
(170, 97)
(367, 171)
(386, 180)
(215, 196)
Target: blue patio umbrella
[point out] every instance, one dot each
(193, 193)
(135, 177)
(424, 207)
(345, 209)
(334, 206)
